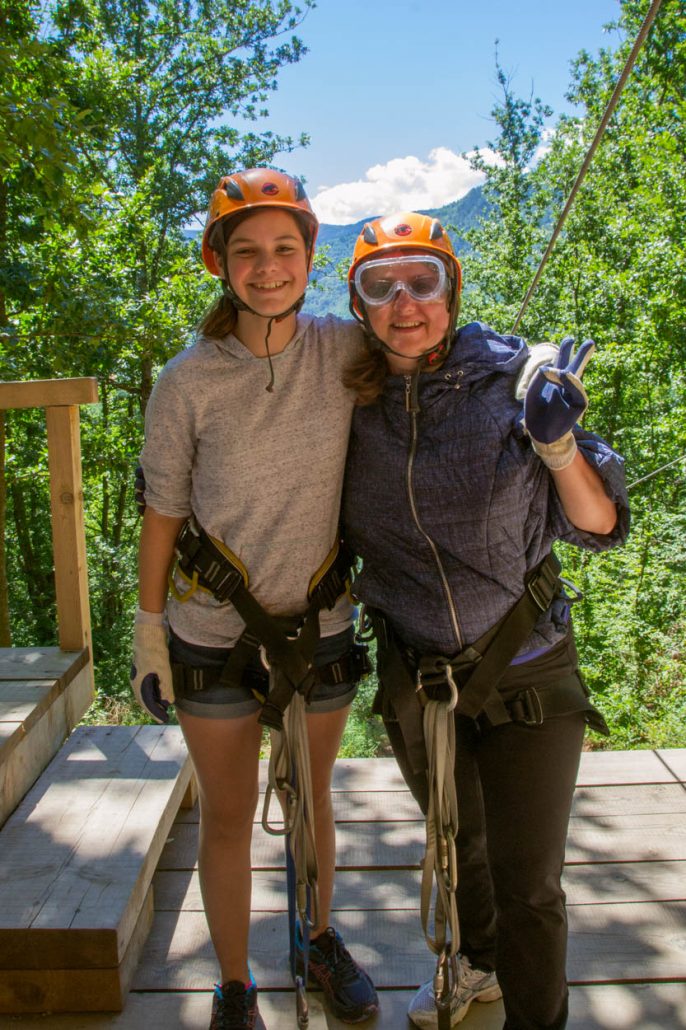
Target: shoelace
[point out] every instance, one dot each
(337, 956)
(232, 1009)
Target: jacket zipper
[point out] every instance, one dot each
(412, 407)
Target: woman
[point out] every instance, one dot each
(453, 503)
(246, 432)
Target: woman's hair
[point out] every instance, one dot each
(366, 375)
(220, 318)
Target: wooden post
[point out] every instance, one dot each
(68, 538)
(60, 398)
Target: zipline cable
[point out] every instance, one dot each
(614, 99)
(656, 471)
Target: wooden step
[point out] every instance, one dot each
(44, 692)
(76, 863)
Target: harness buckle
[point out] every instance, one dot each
(544, 582)
(526, 707)
(439, 674)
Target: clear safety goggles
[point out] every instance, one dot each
(423, 276)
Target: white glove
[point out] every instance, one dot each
(151, 678)
(539, 354)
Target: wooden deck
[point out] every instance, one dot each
(625, 880)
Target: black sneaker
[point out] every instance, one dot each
(235, 1007)
(349, 990)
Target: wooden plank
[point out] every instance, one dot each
(39, 393)
(612, 767)
(653, 1006)
(602, 884)
(69, 990)
(629, 799)
(675, 760)
(612, 942)
(79, 853)
(41, 663)
(643, 941)
(27, 748)
(68, 536)
(24, 701)
(400, 806)
(635, 838)
(597, 768)
(358, 844)
(605, 1007)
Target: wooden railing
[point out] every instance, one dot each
(61, 399)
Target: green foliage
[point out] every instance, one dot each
(117, 118)
(617, 275)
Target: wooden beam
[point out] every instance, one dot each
(43, 393)
(68, 536)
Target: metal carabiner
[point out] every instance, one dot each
(453, 687)
(301, 1004)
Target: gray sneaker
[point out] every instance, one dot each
(473, 985)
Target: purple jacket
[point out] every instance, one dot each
(449, 508)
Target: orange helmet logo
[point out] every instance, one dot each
(270, 188)
(403, 229)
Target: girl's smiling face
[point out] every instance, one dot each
(266, 258)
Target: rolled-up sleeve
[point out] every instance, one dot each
(169, 448)
(610, 467)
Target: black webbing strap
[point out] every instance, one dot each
(200, 558)
(479, 693)
(489, 658)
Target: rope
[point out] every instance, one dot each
(440, 856)
(614, 99)
(290, 775)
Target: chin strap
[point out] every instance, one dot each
(240, 305)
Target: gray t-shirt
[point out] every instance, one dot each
(262, 472)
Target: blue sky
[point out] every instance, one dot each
(393, 91)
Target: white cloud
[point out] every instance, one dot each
(402, 184)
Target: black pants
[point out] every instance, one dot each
(514, 788)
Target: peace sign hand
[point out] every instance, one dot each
(555, 401)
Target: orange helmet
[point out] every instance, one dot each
(405, 231)
(253, 189)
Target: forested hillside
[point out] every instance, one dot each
(113, 131)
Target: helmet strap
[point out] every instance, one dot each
(425, 360)
(240, 305)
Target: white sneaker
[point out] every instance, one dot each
(473, 985)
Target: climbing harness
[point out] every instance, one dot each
(612, 103)
(424, 692)
(287, 650)
(287, 645)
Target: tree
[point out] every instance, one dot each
(169, 91)
(616, 274)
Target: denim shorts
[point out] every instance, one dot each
(220, 702)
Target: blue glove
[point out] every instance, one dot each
(555, 401)
(151, 679)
